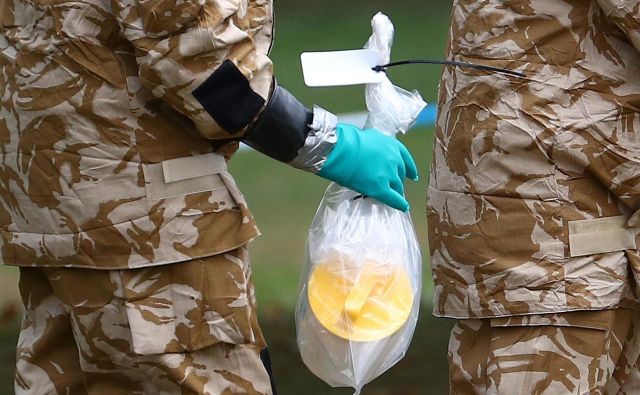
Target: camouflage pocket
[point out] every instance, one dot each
(187, 306)
(562, 353)
(572, 349)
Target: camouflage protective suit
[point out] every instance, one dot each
(109, 161)
(535, 191)
(93, 174)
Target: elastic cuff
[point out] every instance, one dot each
(282, 128)
(319, 143)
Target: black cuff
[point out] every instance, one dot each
(282, 128)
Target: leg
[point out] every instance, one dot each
(47, 359)
(568, 353)
(184, 328)
(468, 347)
(547, 360)
(625, 354)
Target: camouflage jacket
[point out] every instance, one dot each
(535, 180)
(108, 161)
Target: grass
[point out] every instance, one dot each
(284, 200)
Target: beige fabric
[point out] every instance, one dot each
(517, 159)
(570, 353)
(596, 236)
(193, 166)
(187, 328)
(94, 97)
(183, 181)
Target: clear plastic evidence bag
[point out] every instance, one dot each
(361, 283)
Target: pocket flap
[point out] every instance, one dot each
(601, 320)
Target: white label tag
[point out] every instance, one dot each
(337, 68)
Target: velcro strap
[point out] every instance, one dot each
(183, 176)
(601, 235)
(193, 166)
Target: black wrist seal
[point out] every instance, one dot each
(282, 128)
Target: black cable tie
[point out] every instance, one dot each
(451, 63)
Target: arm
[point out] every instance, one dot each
(192, 46)
(207, 60)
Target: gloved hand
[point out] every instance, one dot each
(370, 163)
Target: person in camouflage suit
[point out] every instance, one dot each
(117, 119)
(534, 196)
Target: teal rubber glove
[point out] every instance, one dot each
(370, 163)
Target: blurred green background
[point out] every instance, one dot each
(284, 200)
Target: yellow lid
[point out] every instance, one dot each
(364, 303)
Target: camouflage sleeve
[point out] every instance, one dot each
(626, 15)
(206, 59)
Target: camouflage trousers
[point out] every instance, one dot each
(567, 353)
(184, 328)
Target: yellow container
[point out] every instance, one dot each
(360, 303)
